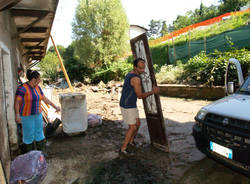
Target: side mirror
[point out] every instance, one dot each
(230, 88)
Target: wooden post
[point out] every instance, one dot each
(174, 50)
(168, 58)
(205, 46)
(189, 44)
(62, 66)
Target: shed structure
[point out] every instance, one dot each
(25, 27)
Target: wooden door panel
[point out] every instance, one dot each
(152, 104)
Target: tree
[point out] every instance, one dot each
(49, 66)
(154, 29)
(231, 5)
(181, 21)
(164, 28)
(75, 69)
(100, 29)
(202, 9)
(212, 11)
(60, 48)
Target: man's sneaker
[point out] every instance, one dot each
(125, 152)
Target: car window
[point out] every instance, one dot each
(245, 88)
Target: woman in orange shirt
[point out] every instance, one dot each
(29, 112)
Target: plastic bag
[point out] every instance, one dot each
(94, 120)
(30, 168)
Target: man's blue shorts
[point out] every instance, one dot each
(32, 128)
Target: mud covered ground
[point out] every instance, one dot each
(92, 157)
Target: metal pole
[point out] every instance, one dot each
(62, 65)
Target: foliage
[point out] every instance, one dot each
(154, 29)
(100, 30)
(235, 22)
(75, 68)
(205, 69)
(60, 48)
(231, 5)
(164, 28)
(115, 71)
(195, 16)
(181, 21)
(205, 13)
(169, 74)
(159, 55)
(157, 28)
(49, 66)
(160, 52)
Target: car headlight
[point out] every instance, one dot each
(201, 114)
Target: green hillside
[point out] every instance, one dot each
(222, 36)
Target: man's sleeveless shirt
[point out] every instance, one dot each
(128, 97)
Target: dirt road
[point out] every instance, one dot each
(92, 157)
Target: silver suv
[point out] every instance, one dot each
(222, 129)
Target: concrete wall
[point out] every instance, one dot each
(196, 92)
(2, 175)
(9, 62)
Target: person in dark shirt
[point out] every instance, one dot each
(132, 89)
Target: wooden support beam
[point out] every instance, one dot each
(34, 53)
(28, 13)
(31, 47)
(33, 29)
(34, 47)
(29, 26)
(32, 39)
(6, 4)
(36, 57)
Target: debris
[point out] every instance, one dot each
(78, 84)
(101, 85)
(50, 128)
(94, 120)
(95, 89)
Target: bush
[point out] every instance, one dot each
(115, 71)
(169, 74)
(204, 69)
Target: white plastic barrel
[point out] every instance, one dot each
(47, 92)
(74, 114)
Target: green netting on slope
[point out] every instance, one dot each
(239, 37)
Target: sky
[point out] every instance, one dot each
(139, 12)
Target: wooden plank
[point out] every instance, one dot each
(29, 13)
(34, 47)
(33, 29)
(28, 26)
(6, 4)
(32, 39)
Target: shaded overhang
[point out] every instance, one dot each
(33, 20)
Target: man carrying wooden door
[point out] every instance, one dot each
(132, 89)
